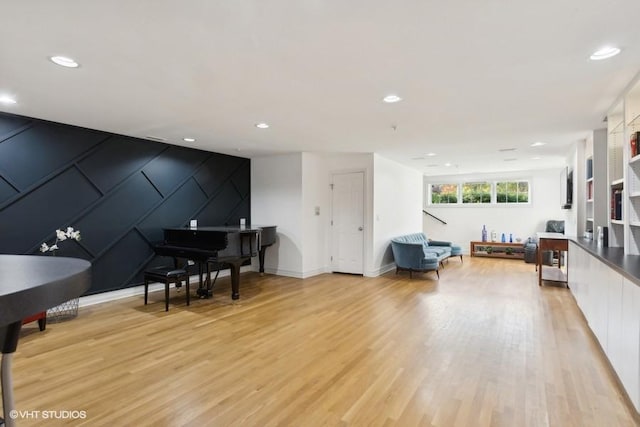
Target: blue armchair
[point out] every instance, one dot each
(411, 256)
(414, 252)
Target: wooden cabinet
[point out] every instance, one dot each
(497, 250)
(611, 305)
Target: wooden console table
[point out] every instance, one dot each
(497, 250)
(551, 242)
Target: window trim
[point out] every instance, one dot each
(494, 193)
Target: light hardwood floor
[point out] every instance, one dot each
(483, 346)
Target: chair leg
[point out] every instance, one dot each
(410, 274)
(166, 295)
(42, 323)
(437, 273)
(461, 259)
(146, 290)
(188, 291)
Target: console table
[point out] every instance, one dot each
(498, 250)
(551, 242)
(30, 284)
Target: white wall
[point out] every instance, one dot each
(464, 223)
(315, 195)
(397, 208)
(327, 165)
(287, 189)
(276, 199)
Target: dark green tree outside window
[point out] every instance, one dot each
(512, 192)
(476, 192)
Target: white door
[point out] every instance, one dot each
(348, 223)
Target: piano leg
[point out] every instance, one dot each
(261, 253)
(235, 279)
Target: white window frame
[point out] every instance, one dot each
(494, 193)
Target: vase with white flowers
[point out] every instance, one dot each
(66, 310)
(61, 236)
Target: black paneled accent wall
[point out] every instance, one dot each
(118, 191)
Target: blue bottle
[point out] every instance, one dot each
(484, 233)
(504, 239)
(510, 238)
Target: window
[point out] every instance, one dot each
(444, 193)
(476, 192)
(479, 193)
(512, 192)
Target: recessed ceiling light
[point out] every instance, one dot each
(447, 164)
(64, 61)
(604, 53)
(262, 125)
(535, 158)
(538, 144)
(431, 154)
(390, 99)
(189, 139)
(6, 99)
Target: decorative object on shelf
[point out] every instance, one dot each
(484, 233)
(488, 249)
(494, 236)
(634, 143)
(503, 238)
(510, 237)
(66, 310)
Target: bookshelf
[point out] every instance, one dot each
(631, 139)
(616, 159)
(589, 193)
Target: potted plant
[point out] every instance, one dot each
(489, 249)
(509, 251)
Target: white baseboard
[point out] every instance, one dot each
(139, 290)
(382, 270)
(287, 273)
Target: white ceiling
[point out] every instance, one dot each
(475, 76)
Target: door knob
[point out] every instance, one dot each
(359, 228)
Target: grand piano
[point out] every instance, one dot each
(218, 247)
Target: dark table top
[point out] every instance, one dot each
(30, 284)
(627, 265)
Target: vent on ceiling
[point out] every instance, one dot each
(510, 160)
(156, 138)
(504, 150)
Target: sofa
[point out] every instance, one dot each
(414, 252)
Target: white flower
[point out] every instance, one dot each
(61, 235)
(70, 233)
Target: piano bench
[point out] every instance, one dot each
(166, 275)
